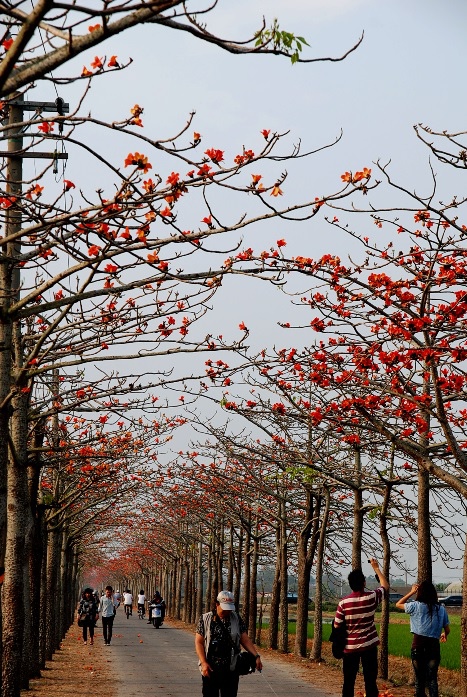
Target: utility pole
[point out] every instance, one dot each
(15, 154)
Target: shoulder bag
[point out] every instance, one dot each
(338, 639)
(246, 662)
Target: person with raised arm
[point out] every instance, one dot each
(357, 611)
(429, 624)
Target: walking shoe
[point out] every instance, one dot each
(149, 622)
(92, 642)
(85, 642)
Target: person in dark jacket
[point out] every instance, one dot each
(88, 613)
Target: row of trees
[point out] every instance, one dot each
(354, 442)
(338, 435)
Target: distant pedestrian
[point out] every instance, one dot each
(88, 614)
(107, 613)
(127, 602)
(429, 624)
(141, 602)
(357, 610)
(219, 635)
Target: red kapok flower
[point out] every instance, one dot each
(138, 160)
(46, 127)
(97, 63)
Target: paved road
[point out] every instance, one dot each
(148, 661)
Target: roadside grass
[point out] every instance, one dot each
(400, 638)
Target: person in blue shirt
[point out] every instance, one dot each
(107, 611)
(429, 624)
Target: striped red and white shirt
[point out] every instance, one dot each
(358, 611)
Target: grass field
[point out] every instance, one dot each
(400, 638)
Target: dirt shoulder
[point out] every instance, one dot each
(88, 671)
(76, 669)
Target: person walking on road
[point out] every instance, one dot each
(88, 614)
(357, 610)
(429, 624)
(219, 635)
(107, 613)
(141, 603)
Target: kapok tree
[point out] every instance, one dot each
(392, 338)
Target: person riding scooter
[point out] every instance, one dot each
(156, 606)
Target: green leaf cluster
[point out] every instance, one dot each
(281, 41)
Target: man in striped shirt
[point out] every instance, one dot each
(357, 610)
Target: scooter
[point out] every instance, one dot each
(156, 614)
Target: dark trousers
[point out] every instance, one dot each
(223, 682)
(89, 625)
(350, 665)
(425, 661)
(107, 625)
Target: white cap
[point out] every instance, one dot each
(226, 600)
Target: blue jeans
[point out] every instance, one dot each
(425, 661)
(350, 665)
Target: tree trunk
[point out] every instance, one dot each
(283, 605)
(318, 617)
(178, 588)
(208, 605)
(53, 561)
(13, 444)
(16, 590)
(383, 652)
(307, 542)
(259, 628)
(463, 675)
(36, 555)
(43, 596)
(229, 581)
(273, 634)
(253, 586)
(199, 581)
(357, 532)
(245, 609)
(424, 528)
(220, 556)
(238, 568)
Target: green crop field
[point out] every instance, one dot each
(400, 639)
